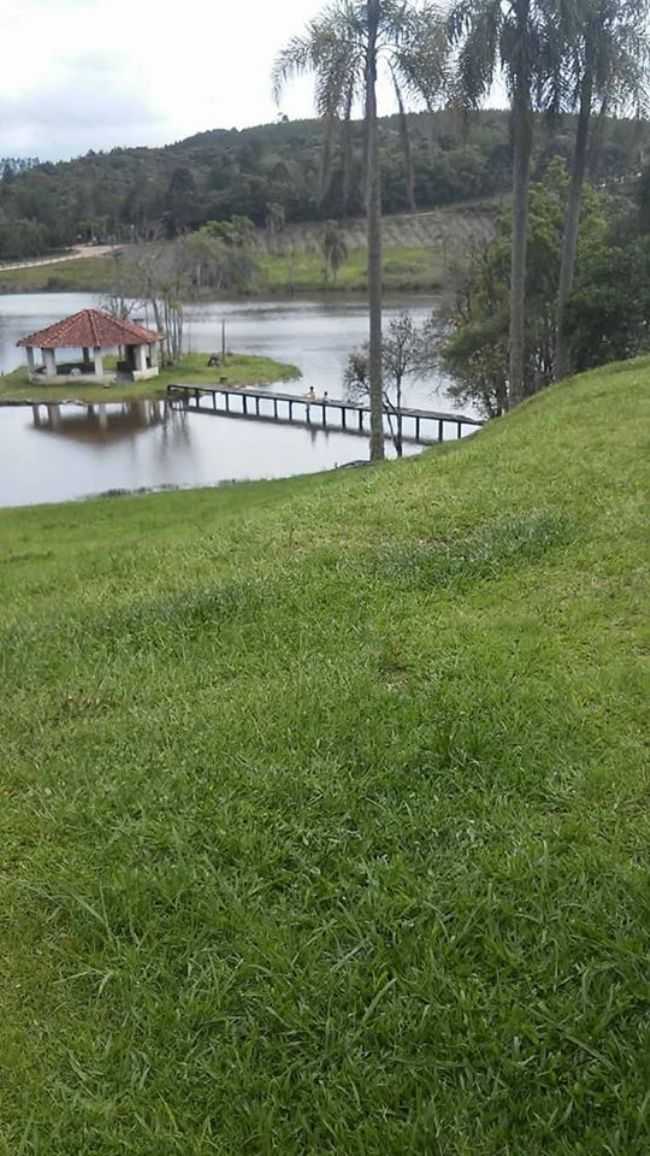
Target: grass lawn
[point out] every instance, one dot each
(325, 817)
(85, 275)
(193, 369)
(405, 268)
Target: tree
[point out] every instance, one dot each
(180, 201)
(342, 48)
(508, 36)
(475, 349)
(334, 248)
(275, 222)
(224, 255)
(159, 277)
(401, 358)
(601, 52)
(608, 311)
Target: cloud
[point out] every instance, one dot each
(75, 113)
(95, 74)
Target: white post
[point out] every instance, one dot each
(30, 359)
(99, 363)
(141, 358)
(49, 360)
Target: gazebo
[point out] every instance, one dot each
(93, 332)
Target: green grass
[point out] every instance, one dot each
(405, 268)
(240, 369)
(85, 275)
(325, 815)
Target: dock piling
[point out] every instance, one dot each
(221, 395)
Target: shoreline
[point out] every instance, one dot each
(240, 371)
(189, 488)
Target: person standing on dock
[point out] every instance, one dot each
(311, 396)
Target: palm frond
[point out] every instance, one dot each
(475, 29)
(420, 58)
(293, 60)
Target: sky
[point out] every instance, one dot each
(95, 74)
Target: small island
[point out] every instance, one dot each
(239, 369)
(121, 361)
(192, 369)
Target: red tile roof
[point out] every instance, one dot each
(90, 329)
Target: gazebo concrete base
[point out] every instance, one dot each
(145, 374)
(93, 378)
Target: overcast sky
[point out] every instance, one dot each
(82, 74)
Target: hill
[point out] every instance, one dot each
(324, 815)
(422, 251)
(145, 193)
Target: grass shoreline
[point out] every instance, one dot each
(407, 268)
(325, 816)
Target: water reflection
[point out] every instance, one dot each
(58, 452)
(102, 424)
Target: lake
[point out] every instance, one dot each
(74, 451)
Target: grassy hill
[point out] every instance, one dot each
(422, 251)
(325, 810)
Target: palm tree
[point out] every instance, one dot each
(343, 48)
(601, 53)
(505, 36)
(334, 248)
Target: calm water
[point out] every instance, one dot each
(71, 451)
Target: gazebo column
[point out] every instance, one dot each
(141, 358)
(49, 360)
(30, 359)
(99, 362)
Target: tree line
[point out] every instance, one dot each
(139, 194)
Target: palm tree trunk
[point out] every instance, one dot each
(405, 139)
(571, 225)
(374, 242)
(347, 151)
(521, 180)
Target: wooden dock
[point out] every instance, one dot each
(340, 415)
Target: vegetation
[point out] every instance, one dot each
(602, 54)
(406, 267)
(508, 39)
(550, 55)
(422, 251)
(405, 352)
(607, 316)
(343, 49)
(84, 275)
(334, 249)
(324, 816)
(125, 195)
(191, 369)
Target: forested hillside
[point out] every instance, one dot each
(144, 193)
